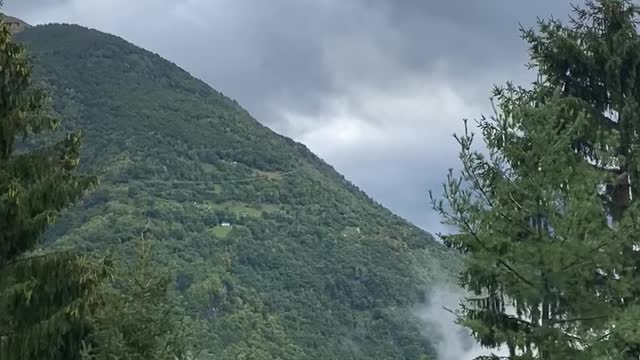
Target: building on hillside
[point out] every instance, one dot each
(225, 224)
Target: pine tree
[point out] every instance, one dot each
(533, 229)
(531, 216)
(596, 63)
(141, 318)
(43, 296)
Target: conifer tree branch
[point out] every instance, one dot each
(587, 318)
(498, 258)
(24, 259)
(485, 196)
(584, 257)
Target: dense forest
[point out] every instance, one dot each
(214, 227)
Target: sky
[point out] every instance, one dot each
(375, 87)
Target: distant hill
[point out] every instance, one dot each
(285, 257)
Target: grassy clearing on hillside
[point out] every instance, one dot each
(240, 208)
(269, 175)
(222, 231)
(208, 168)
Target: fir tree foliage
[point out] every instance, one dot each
(43, 296)
(533, 229)
(595, 61)
(141, 317)
(547, 215)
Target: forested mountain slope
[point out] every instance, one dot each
(286, 258)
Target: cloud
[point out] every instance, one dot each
(387, 134)
(375, 87)
(452, 342)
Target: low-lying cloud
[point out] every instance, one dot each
(452, 341)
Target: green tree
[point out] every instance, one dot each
(533, 229)
(595, 61)
(44, 297)
(531, 215)
(141, 317)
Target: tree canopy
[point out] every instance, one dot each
(44, 296)
(546, 214)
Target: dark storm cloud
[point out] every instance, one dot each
(282, 50)
(376, 87)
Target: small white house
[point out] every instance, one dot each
(225, 224)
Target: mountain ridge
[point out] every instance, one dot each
(300, 252)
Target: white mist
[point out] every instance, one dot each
(453, 342)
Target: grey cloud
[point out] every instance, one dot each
(19, 7)
(296, 52)
(300, 56)
(401, 183)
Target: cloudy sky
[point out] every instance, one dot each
(375, 87)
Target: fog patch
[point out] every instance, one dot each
(452, 341)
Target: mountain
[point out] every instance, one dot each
(284, 256)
